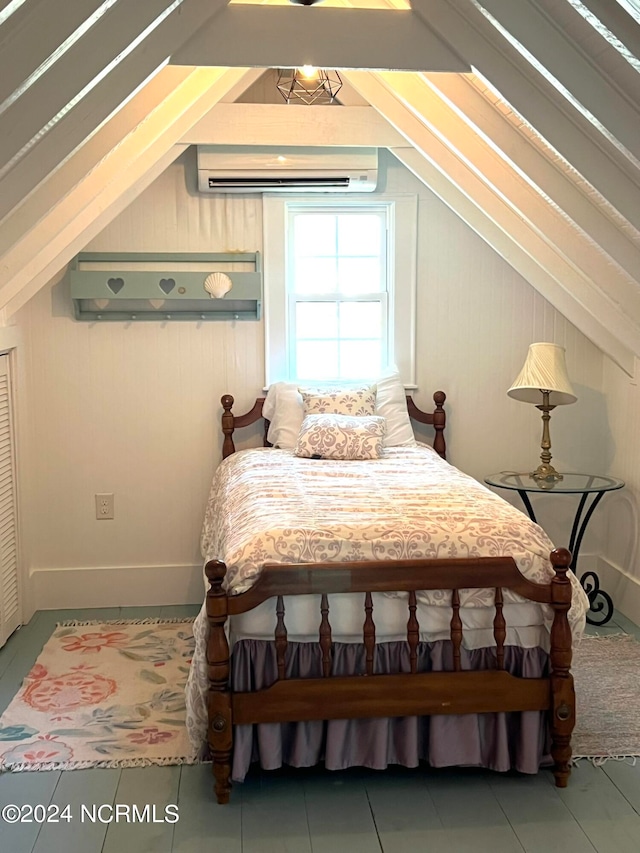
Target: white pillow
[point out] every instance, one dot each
(284, 408)
(391, 403)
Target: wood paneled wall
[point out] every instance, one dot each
(133, 409)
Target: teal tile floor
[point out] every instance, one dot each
(358, 811)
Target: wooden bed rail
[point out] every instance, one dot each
(368, 576)
(400, 694)
(230, 422)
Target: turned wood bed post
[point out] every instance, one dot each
(439, 420)
(220, 733)
(563, 705)
(228, 446)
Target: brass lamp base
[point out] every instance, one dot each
(545, 473)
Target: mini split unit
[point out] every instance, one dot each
(254, 169)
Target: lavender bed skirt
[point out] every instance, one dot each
(501, 741)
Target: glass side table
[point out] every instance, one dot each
(591, 488)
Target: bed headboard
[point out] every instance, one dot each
(231, 422)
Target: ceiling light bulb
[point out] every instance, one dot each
(308, 71)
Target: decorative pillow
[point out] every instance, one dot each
(339, 401)
(284, 409)
(328, 436)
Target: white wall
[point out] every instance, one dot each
(618, 563)
(134, 409)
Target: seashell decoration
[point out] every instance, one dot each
(217, 284)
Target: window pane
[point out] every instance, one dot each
(316, 320)
(315, 275)
(317, 360)
(360, 359)
(359, 275)
(359, 234)
(360, 320)
(314, 234)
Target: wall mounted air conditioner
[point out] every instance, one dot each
(255, 169)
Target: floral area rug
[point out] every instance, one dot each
(102, 694)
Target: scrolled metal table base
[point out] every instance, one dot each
(591, 585)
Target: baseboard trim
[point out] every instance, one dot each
(116, 586)
(623, 588)
(156, 586)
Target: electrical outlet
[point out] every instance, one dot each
(104, 506)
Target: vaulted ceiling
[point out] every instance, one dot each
(523, 117)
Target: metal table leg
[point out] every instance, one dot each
(600, 603)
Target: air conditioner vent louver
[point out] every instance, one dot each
(276, 183)
(250, 169)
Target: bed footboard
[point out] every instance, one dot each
(403, 694)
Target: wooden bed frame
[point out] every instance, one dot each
(402, 694)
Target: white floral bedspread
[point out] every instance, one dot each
(268, 505)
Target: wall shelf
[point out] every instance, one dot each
(134, 286)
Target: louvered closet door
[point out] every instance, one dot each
(10, 612)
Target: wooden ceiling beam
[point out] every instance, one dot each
(618, 21)
(497, 172)
(282, 124)
(534, 98)
(74, 218)
(61, 181)
(460, 186)
(577, 72)
(110, 43)
(97, 106)
(30, 40)
(545, 173)
(322, 36)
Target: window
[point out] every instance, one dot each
(336, 279)
(339, 287)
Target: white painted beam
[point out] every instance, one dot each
(496, 171)
(618, 21)
(79, 215)
(280, 124)
(292, 36)
(460, 187)
(81, 67)
(507, 245)
(79, 123)
(85, 232)
(580, 74)
(63, 180)
(51, 93)
(480, 113)
(28, 41)
(561, 124)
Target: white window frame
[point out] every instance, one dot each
(403, 226)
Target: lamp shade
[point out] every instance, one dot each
(544, 370)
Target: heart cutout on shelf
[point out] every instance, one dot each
(115, 285)
(167, 285)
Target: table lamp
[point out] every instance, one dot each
(544, 381)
